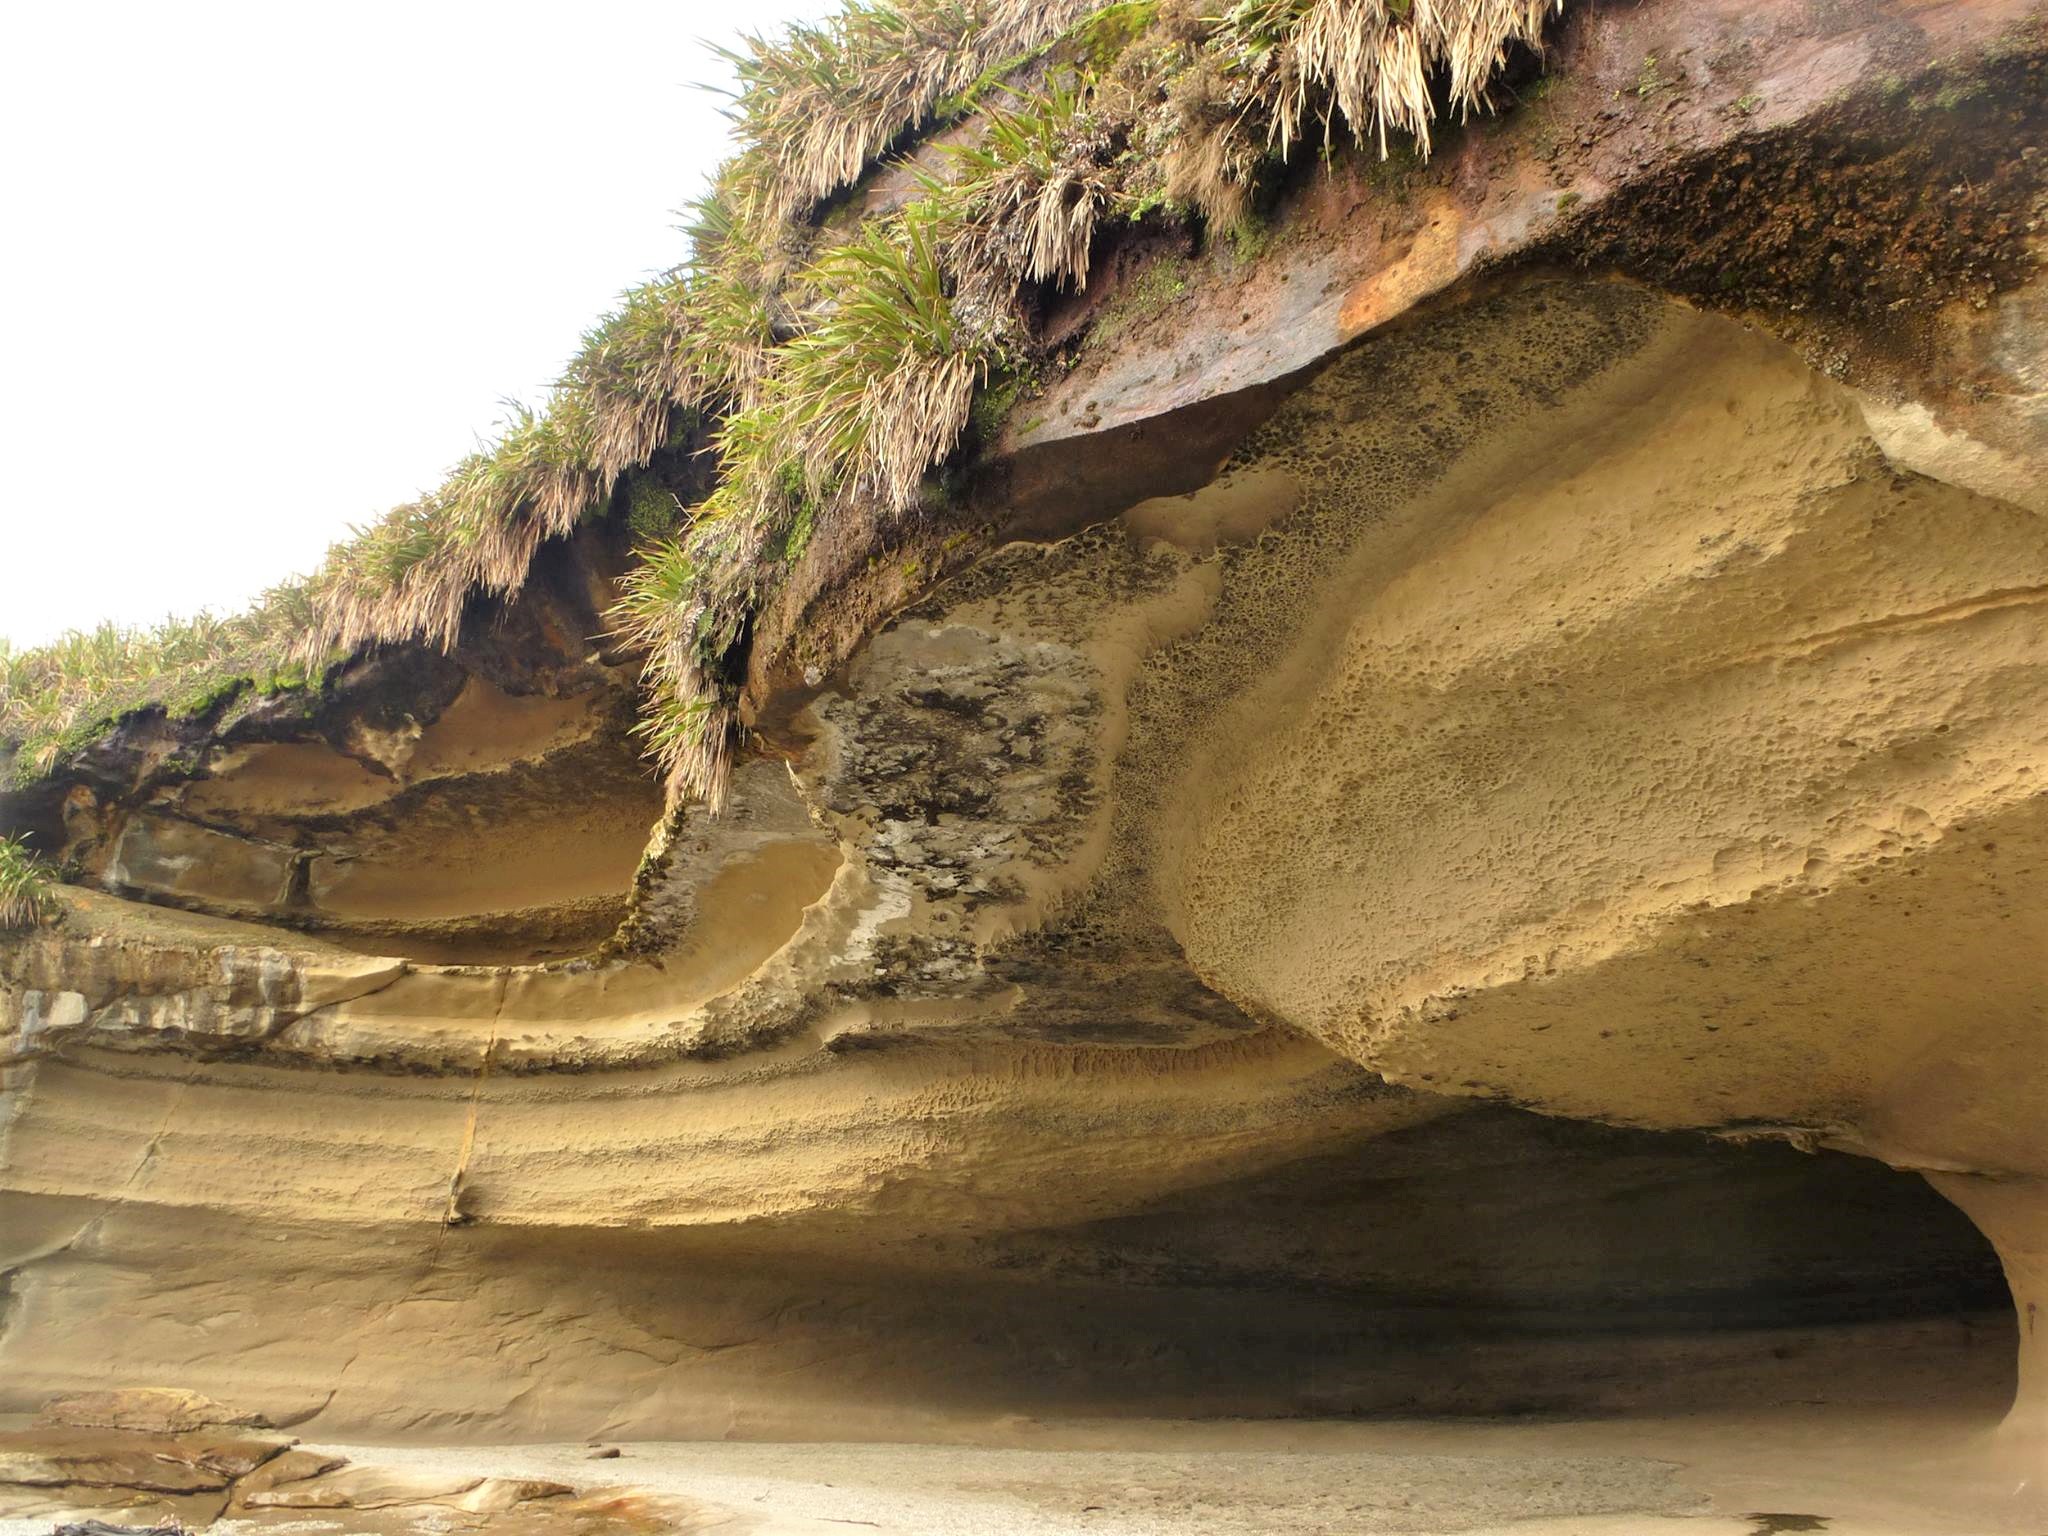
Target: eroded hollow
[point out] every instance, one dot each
(1484, 1262)
(476, 826)
(1561, 698)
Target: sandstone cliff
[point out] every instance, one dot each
(1449, 818)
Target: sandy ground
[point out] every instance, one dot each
(1771, 1472)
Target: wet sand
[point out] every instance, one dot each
(1872, 1472)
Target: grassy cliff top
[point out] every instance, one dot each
(821, 354)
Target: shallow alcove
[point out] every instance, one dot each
(1491, 1261)
(1483, 1262)
(483, 805)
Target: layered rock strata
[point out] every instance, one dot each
(1480, 883)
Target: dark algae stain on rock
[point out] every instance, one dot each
(1904, 196)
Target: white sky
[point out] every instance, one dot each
(268, 269)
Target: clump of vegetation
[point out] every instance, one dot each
(25, 898)
(55, 697)
(820, 103)
(1025, 198)
(1302, 67)
(653, 511)
(1249, 241)
(669, 612)
(1214, 158)
(877, 392)
(857, 407)
(833, 375)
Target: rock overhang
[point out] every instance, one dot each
(1510, 684)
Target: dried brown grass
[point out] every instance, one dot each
(823, 101)
(1025, 196)
(1291, 68)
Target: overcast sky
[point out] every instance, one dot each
(268, 269)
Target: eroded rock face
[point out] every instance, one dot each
(1490, 901)
(149, 1410)
(1716, 653)
(76, 1465)
(487, 805)
(1561, 700)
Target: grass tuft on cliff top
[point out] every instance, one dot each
(837, 364)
